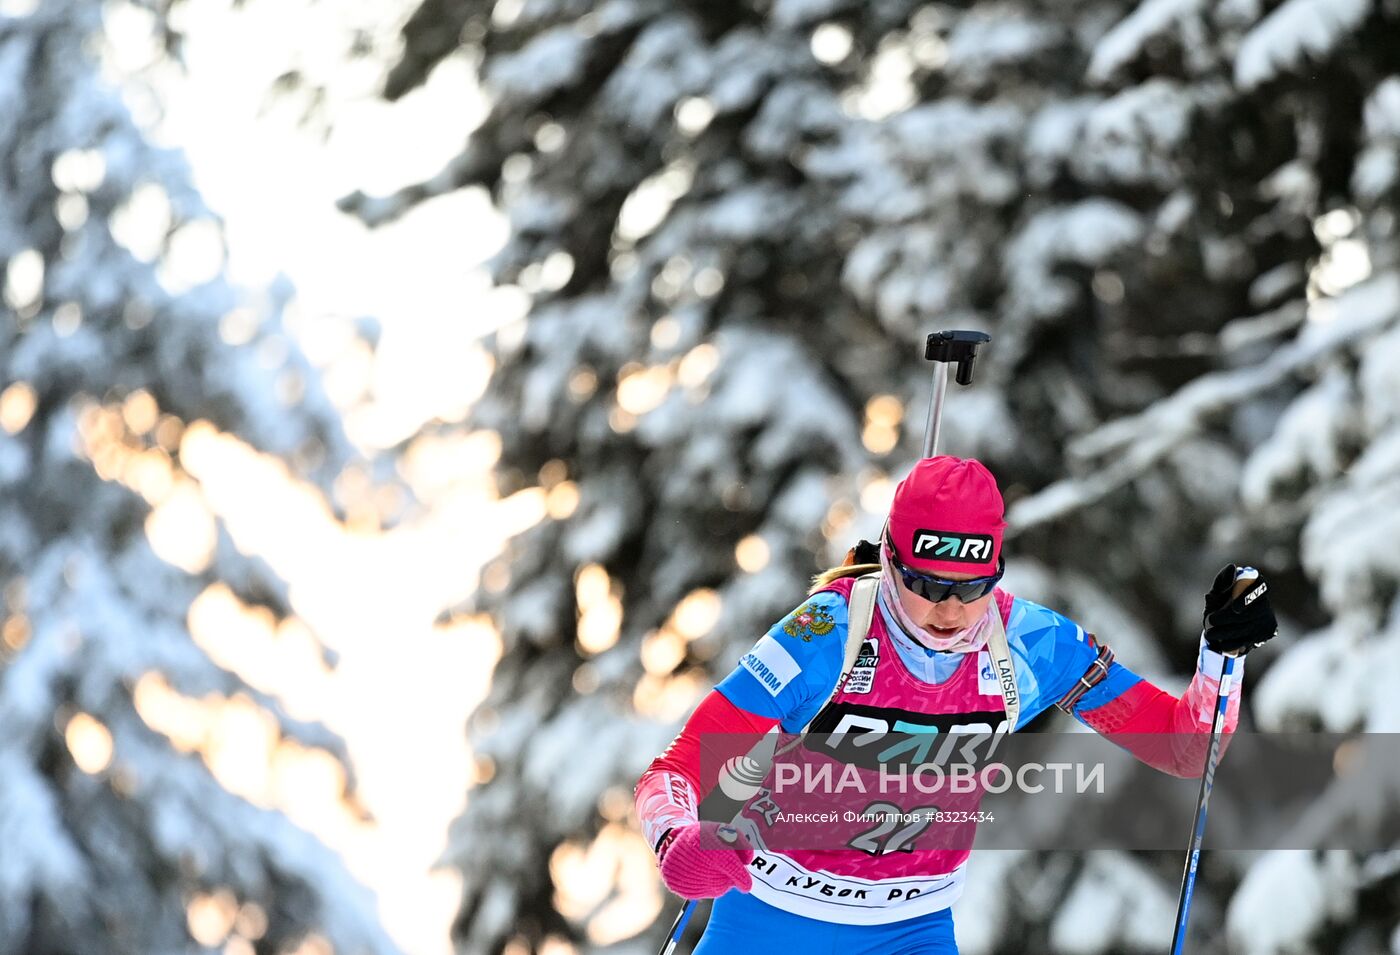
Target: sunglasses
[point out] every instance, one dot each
(938, 589)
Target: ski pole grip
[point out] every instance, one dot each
(956, 346)
(1246, 577)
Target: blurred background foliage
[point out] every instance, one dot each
(734, 224)
(125, 358)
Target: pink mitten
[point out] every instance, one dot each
(704, 860)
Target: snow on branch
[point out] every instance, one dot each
(1296, 30)
(1127, 448)
(1125, 41)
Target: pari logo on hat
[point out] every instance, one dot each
(945, 545)
(948, 517)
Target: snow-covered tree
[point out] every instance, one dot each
(119, 338)
(737, 222)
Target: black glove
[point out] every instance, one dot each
(1236, 625)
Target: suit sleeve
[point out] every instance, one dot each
(1167, 732)
(791, 671)
(782, 680)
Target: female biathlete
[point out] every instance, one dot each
(925, 665)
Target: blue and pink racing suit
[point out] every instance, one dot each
(897, 903)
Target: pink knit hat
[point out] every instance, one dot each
(947, 517)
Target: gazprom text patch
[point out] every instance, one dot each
(771, 664)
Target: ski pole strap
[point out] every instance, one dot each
(1096, 674)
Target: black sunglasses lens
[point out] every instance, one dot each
(937, 592)
(969, 592)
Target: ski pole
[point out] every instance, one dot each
(726, 834)
(941, 348)
(678, 928)
(765, 749)
(1198, 829)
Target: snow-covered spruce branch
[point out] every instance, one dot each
(1127, 448)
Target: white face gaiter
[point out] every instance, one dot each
(964, 641)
